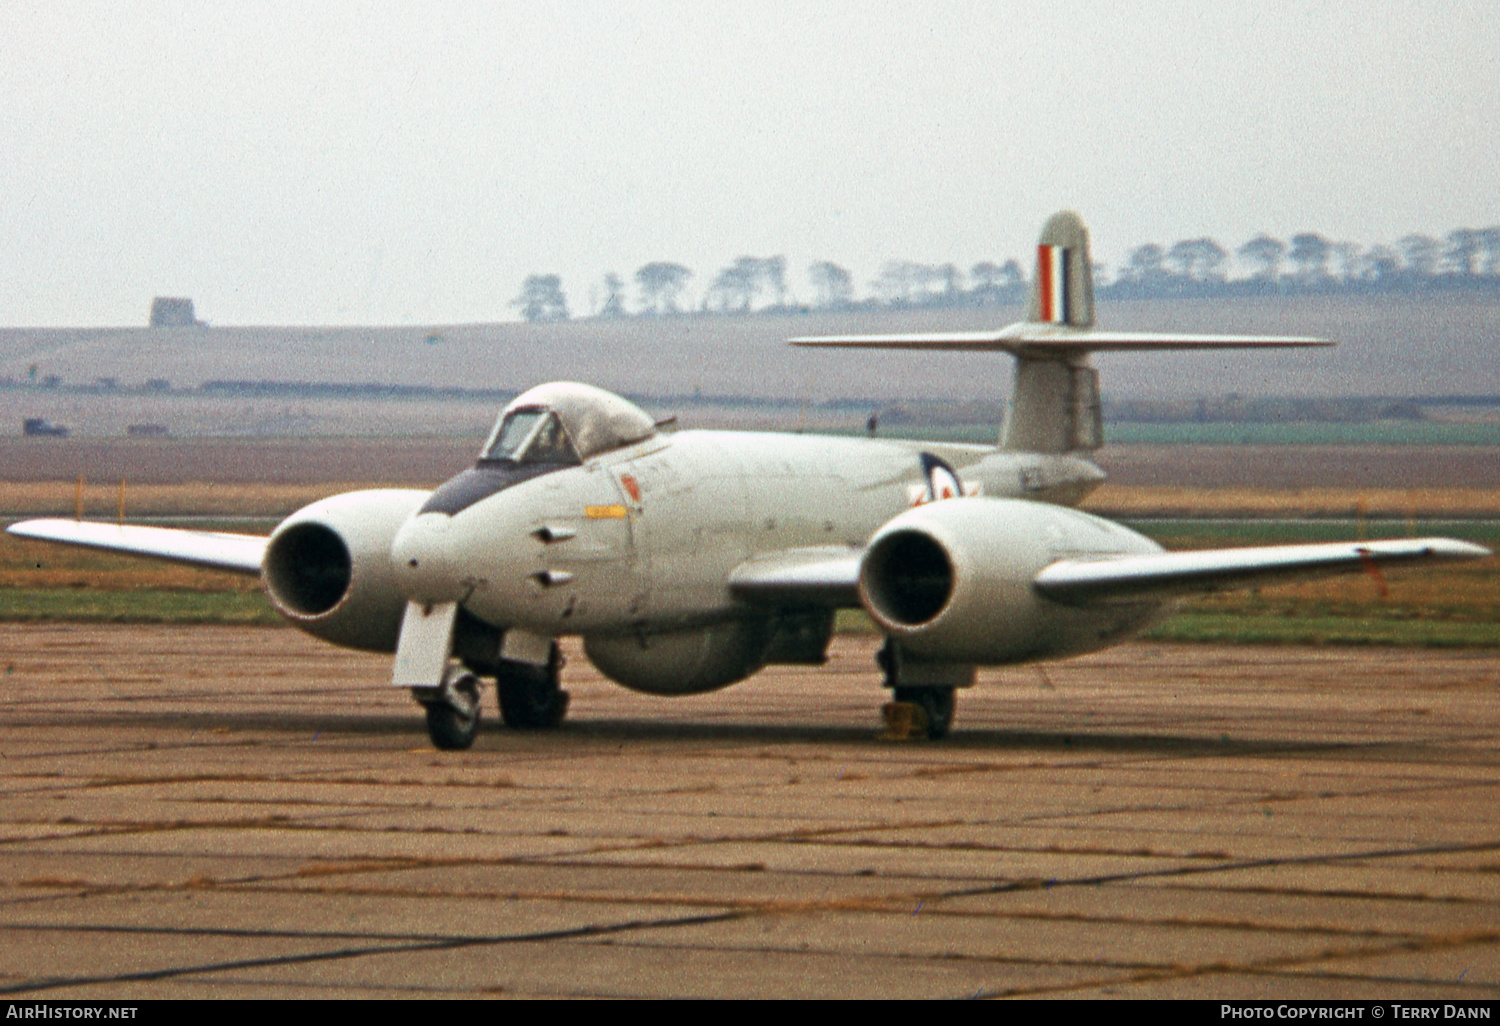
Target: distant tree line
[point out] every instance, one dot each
(1312, 263)
(1306, 263)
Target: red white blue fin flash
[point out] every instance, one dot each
(1052, 283)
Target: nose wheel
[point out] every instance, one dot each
(453, 712)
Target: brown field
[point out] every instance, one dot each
(249, 477)
(1122, 500)
(338, 462)
(1411, 344)
(102, 501)
(1352, 468)
(1462, 591)
(34, 564)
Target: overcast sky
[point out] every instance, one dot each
(333, 163)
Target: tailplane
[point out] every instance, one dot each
(1054, 406)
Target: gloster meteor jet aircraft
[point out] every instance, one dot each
(689, 560)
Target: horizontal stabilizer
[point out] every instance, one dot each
(1080, 581)
(240, 553)
(1042, 341)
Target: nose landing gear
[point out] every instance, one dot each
(452, 710)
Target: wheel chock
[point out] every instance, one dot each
(904, 721)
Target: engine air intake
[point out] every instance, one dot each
(308, 569)
(907, 578)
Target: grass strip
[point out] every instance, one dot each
(1239, 629)
(89, 605)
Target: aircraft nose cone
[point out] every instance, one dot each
(422, 559)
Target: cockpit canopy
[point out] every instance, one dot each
(565, 422)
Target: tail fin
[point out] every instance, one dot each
(1062, 292)
(1054, 406)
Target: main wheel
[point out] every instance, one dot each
(530, 698)
(936, 703)
(453, 716)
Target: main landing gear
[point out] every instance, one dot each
(925, 689)
(936, 705)
(529, 694)
(530, 698)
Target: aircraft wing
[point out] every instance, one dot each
(240, 553)
(1095, 580)
(830, 576)
(819, 576)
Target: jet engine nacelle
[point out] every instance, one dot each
(328, 567)
(952, 581)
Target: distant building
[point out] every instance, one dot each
(173, 312)
(38, 427)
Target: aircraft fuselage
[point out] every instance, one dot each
(649, 534)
